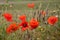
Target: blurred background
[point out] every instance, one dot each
(19, 7)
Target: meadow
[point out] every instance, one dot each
(19, 7)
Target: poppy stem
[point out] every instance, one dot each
(28, 34)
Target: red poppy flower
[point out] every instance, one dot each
(22, 17)
(34, 23)
(8, 16)
(12, 27)
(31, 5)
(43, 13)
(52, 20)
(24, 25)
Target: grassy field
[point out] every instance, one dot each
(43, 32)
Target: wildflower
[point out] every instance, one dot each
(31, 5)
(12, 27)
(34, 23)
(43, 13)
(24, 25)
(52, 20)
(8, 16)
(22, 17)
